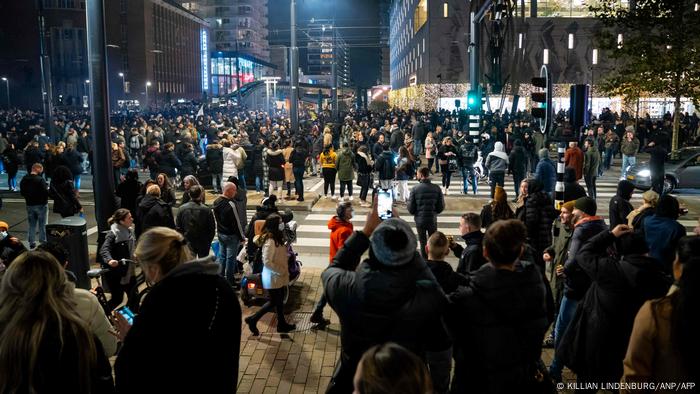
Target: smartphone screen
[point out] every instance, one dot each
(127, 313)
(385, 202)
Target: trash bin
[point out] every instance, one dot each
(71, 233)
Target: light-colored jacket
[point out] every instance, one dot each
(92, 314)
(230, 168)
(239, 157)
(275, 273)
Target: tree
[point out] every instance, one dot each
(378, 106)
(655, 47)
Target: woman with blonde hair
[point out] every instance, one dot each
(44, 344)
(186, 337)
(635, 219)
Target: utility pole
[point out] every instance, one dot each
(474, 73)
(45, 63)
(294, 72)
(103, 181)
(334, 76)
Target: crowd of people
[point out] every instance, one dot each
(615, 300)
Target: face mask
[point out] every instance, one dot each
(3, 235)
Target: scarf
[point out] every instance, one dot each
(369, 161)
(124, 234)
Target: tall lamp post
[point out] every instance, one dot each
(121, 75)
(7, 85)
(294, 72)
(148, 83)
(87, 92)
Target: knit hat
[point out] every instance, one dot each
(4, 225)
(499, 195)
(569, 205)
(587, 205)
(393, 243)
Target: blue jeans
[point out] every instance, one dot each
(607, 161)
(417, 147)
(228, 249)
(627, 161)
(76, 181)
(241, 179)
(36, 216)
(85, 162)
(216, 182)
(566, 313)
(258, 184)
(469, 173)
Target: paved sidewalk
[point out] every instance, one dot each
(302, 361)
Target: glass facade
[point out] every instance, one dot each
(223, 73)
(565, 8)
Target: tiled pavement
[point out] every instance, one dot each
(302, 361)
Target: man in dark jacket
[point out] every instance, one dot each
(386, 168)
(572, 189)
(153, 212)
(591, 166)
(499, 319)
(470, 256)
(620, 205)
(662, 231)
(196, 222)
(517, 165)
(596, 341)
(397, 140)
(215, 162)
(657, 157)
(229, 227)
(418, 133)
(425, 202)
(468, 155)
(36, 196)
(298, 159)
(586, 226)
(545, 172)
(391, 296)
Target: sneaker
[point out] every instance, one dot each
(286, 327)
(446, 190)
(350, 198)
(334, 198)
(252, 326)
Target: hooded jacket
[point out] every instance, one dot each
(577, 281)
(591, 161)
(229, 167)
(341, 230)
(545, 172)
(662, 235)
(156, 358)
(376, 303)
(620, 205)
(196, 222)
(572, 189)
(275, 160)
(539, 215)
(518, 159)
(345, 162)
(365, 164)
(385, 165)
(595, 343)
(497, 161)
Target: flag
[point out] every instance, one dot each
(201, 111)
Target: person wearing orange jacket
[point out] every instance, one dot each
(341, 230)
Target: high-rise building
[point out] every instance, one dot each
(326, 46)
(236, 25)
(385, 51)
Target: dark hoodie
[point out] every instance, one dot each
(215, 158)
(572, 189)
(206, 310)
(620, 205)
(275, 161)
(153, 212)
(539, 216)
(385, 165)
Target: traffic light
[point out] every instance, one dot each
(541, 106)
(473, 102)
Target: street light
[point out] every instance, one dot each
(148, 83)
(7, 85)
(85, 87)
(121, 75)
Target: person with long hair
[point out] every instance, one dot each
(167, 191)
(430, 149)
(187, 183)
(10, 160)
(391, 368)
(63, 192)
(119, 244)
(275, 274)
(44, 344)
(365, 166)
(664, 345)
(497, 209)
(186, 337)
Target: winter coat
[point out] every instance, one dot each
(341, 230)
(629, 148)
(546, 173)
(169, 163)
(65, 201)
(443, 157)
(345, 163)
(576, 281)
(498, 321)
(517, 160)
(539, 215)
(189, 164)
(364, 163)
(591, 162)
(662, 235)
(151, 159)
(275, 259)
(468, 155)
(73, 161)
(430, 148)
(257, 159)
(229, 168)
(376, 304)
(426, 202)
(396, 140)
(215, 158)
(128, 191)
(497, 161)
(11, 161)
(153, 212)
(447, 278)
(154, 356)
(620, 205)
(196, 222)
(470, 256)
(288, 174)
(594, 345)
(226, 218)
(34, 190)
(572, 189)
(574, 158)
(275, 161)
(118, 158)
(317, 146)
(385, 165)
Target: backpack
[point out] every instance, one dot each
(135, 142)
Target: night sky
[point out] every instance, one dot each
(357, 19)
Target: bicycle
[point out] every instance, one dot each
(134, 296)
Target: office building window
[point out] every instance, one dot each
(445, 12)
